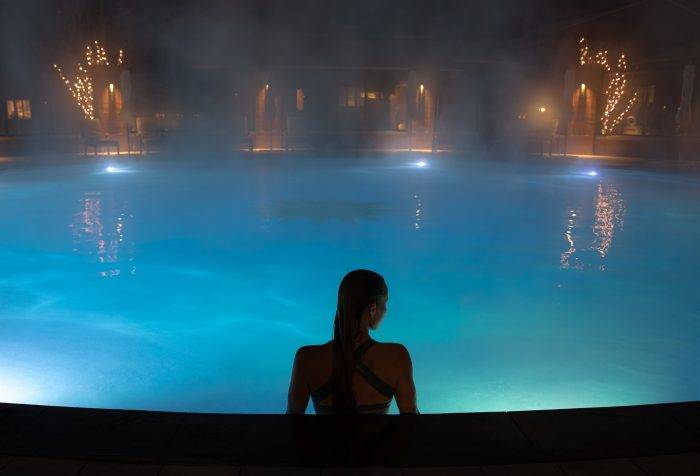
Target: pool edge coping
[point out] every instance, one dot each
(428, 440)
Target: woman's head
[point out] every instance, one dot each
(362, 294)
(362, 297)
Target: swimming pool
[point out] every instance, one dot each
(188, 285)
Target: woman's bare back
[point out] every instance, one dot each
(384, 369)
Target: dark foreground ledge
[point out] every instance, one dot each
(553, 438)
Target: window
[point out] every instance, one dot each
(19, 109)
(351, 97)
(300, 99)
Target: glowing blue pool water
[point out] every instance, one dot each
(163, 284)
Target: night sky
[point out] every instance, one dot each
(218, 31)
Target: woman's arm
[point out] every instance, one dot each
(298, 397)
(405, 388)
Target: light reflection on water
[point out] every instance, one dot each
(101, 233)
(608, 219)
(499, 295)
(419, 212)
(567, 255)
(609, 216)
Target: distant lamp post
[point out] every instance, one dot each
(420, 113)
(684, 117)
(542, 109)
(111, 88)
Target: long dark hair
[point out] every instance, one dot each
(358, 289)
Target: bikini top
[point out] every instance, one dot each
(326, 390)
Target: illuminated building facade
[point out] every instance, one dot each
(365, 107)
(349, 80)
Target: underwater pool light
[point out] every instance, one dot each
(112, 169)
(592, 173)
(421, 164)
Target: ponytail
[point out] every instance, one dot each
(357, 291)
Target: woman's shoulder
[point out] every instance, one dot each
(313, 350)
(393, 346)
(386, 349)
(393, 349)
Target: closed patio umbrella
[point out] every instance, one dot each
(683, 115)
(566, 106)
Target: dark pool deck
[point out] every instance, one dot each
(650, 439)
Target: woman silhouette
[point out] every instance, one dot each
(353, 373)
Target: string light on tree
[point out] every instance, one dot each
(80, 87)
(614, 110)
(80, 84)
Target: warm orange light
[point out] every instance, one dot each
(543, 109)
(421, 88)
(583, 87)
(111, 88)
